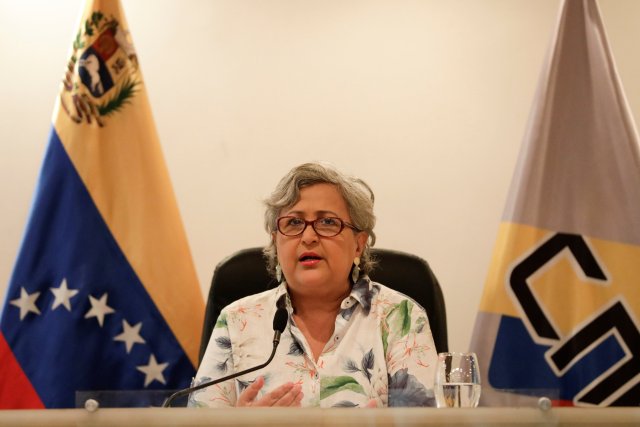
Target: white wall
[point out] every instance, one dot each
(426, 100)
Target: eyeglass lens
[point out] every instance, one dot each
(327, 227)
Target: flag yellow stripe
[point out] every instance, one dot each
(561, 282)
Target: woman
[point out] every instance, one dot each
(349, 341)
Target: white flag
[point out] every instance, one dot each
(560, 309)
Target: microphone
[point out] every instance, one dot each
(279, 323)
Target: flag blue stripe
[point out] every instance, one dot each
(61, 351)
(516, 356)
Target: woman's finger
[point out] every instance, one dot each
(249, 394)
(297, 401)
(272, 398)
(289, 399)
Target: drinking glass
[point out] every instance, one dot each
(457, 382)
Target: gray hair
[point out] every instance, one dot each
(355, 192)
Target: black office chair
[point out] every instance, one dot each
(245, 273)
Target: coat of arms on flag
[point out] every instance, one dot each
(560, 312)
(104, 295)
(99, 79)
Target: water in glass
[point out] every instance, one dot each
(457, 382)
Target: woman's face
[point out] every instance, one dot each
(314, 265)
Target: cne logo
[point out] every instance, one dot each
(618, 383)
(101, 76)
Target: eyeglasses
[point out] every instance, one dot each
(325, 227)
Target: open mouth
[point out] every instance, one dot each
(309, 258)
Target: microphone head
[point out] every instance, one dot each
(280, 319)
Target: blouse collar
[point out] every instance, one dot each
(362, 293)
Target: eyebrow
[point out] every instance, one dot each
(318, 213)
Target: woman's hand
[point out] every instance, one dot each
(286, 395)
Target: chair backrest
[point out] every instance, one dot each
(245, 273)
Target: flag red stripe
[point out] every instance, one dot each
(16, 391)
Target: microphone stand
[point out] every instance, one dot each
(179, 393)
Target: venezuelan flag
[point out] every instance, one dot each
(104, 294)
(560, 310)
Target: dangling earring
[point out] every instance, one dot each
(278, 273)
(355, 271)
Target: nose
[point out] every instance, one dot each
(309, 235)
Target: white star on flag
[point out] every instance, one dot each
(130, 335)
(26, 303)
(153, 371)
(99, 308)
(63, 296)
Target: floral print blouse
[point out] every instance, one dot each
(381, 352)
